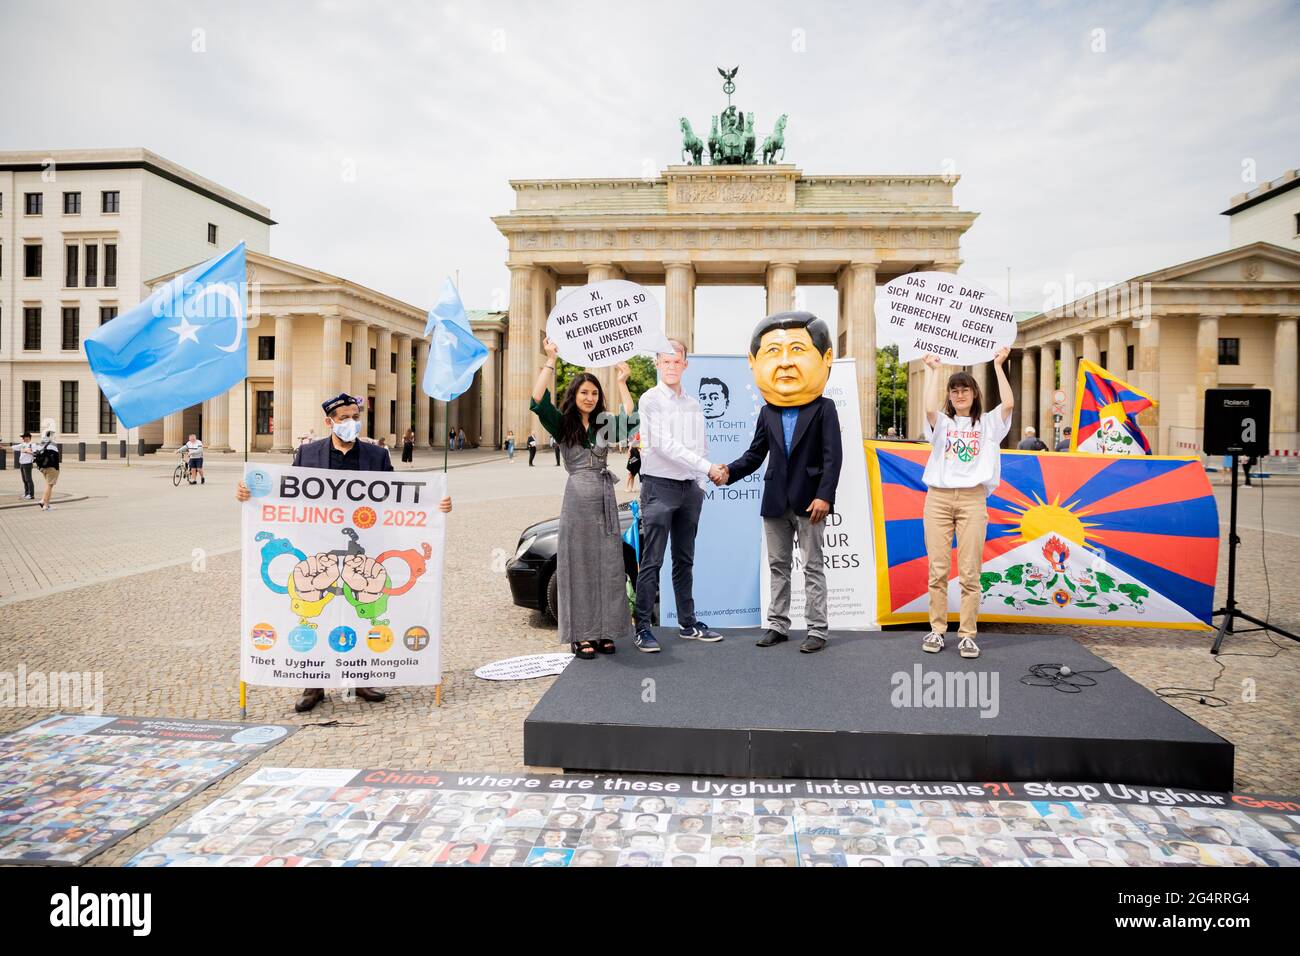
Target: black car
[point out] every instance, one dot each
(531, 572)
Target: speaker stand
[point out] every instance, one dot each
(1230, 611)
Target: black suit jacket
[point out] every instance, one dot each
(316, 454)
(812, 469)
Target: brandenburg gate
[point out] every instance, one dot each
(743, 224)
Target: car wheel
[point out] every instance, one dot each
(553, 598)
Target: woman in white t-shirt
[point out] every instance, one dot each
(965, 466)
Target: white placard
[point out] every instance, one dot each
(525, 668)
(937, 313)
(342, 577)
(606, 323)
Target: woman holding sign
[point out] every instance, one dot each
(592, 584)
(965, 467)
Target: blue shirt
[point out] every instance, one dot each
(789, 416)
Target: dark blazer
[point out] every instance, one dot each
(813, 467)
(316, 454)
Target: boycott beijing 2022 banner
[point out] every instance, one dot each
(342, 578)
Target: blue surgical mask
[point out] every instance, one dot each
(347, 430)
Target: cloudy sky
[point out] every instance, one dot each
(1097, 141)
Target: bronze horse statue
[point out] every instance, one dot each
(692, 146)
(776, 142)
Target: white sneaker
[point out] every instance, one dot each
(933, 643)
(967, 647)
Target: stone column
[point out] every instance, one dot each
(1046, 386)
(282, 438)
(1069, 369)
(1028, 389)
(859, 314)
(1092, 347)
(1117, 350)
(440, 425)
(331, 356)
(523, 356)
(385, 385)
(1207, 362)
(679, 293)
(360, 383)
(781, 281)
(488, 395)
(174, 431)
(1284, 415)
(421, 400)
(403, 386)
(216, 422)
(1148, 378)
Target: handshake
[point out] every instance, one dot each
(719, 475)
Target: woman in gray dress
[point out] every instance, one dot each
(591, 582)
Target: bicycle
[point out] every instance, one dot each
(182, 472)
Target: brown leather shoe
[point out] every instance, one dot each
(309, 699)
(370, 694)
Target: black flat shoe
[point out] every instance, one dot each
(811, 644)
(772, 637)
(604, 647)
(583, 650)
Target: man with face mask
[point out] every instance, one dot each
(340, 451)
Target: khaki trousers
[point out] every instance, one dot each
(963, 512)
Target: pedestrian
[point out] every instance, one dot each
(798, 433)
(1250, 463)
(194, 457)
(633, 462)
(25, 449)
(408, 445)
(675, 470)
(47, 457)
(592, 584)
(510, 445)
(451, 440)
(532, 448)
(1031, 441)
(460, 438)
(1064, 443)
(342, 451)
(555, 447)
(964, 468)
(891, 433)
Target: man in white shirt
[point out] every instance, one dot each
(25, 448)
(674, 473)
(195, 459)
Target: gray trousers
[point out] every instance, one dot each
(780, 534)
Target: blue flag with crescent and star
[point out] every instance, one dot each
(182, 345)
(454, 353)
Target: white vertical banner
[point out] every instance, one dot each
(847, 538)
(342, 578)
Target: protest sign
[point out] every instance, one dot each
(72, 785)
(605, 323)
(936, 313)
(342, 578)
(524, 668)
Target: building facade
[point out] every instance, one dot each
(1269, 213)
(80, 233)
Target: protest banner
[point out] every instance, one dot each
(524, 668)
(1072, 539)
(605, 323)
(846, 532)
(317, 817)
(73, 785)
(937, 313)
(342, 578)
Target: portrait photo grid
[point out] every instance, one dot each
(336, 819)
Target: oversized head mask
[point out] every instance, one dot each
(790, 355)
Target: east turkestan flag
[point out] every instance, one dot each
(182, 345)
(454, 353)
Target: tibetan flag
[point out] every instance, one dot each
(181, 346)
(1072, 539)
(1106, 412)
(454, 353)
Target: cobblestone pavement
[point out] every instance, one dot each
(161, 623)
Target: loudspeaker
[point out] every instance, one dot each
(1236, 422)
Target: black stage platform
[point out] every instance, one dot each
(737, 710)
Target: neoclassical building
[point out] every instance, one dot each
(771, 226)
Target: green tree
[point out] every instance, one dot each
(642, 379)
(891, 391)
